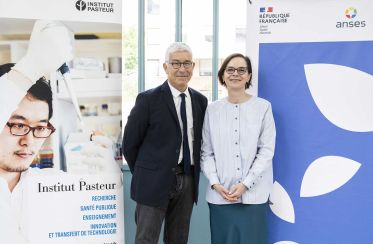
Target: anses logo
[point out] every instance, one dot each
(351, 12)
(351, 22)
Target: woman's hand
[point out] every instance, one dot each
(236, 191)
(223, 192)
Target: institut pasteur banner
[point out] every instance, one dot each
(313, 62)
(60, 120)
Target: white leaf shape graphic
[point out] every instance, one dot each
(282, 206)
(286, 242)
(343, 95)
(327, 174)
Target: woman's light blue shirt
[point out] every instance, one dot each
(238, 146)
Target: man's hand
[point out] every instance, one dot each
(49, 47)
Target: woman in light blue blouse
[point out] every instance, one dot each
(238, 146)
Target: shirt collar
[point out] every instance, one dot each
(4, 183)
(175, 92)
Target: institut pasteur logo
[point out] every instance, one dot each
(80, 5)
(91, 6)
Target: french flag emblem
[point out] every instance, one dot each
(266, 9)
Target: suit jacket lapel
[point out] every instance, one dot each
(167, 96)
(195, 110)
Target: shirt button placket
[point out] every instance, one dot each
(236, 135)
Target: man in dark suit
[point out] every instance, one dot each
(161, 144)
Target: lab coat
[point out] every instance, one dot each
(14, 219)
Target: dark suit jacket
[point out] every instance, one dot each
(152, 140)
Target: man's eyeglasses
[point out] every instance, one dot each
(186, 64)
(18, 129)
(240, 70)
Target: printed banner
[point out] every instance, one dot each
(312, 60)
(76, 209)
(60, 120)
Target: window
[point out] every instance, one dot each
(129, 51)
(232, 32)
(197, 32)
(205, 67)
(153, 7)
(159, 33)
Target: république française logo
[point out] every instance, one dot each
(94, 6)
(267, 15)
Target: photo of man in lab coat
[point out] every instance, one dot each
(20, 140)
(25, 112)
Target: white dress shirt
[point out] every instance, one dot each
(238, 146)
(188, 105)
(14, 209)
(13, 205)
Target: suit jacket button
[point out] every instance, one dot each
(173, 169)
(177, 151)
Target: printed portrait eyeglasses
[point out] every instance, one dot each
(18, 129)
(240, 70)
(186, 64)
